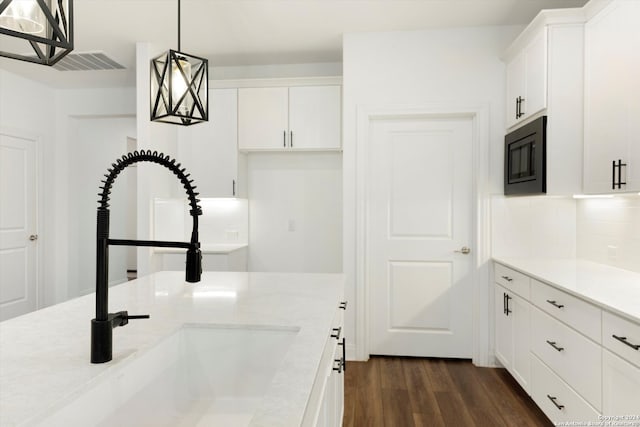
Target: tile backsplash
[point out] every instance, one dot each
(608, 231)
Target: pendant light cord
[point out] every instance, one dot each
(179, 26)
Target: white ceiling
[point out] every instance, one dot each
(258, 32)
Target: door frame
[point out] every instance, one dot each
(39, 185)
(481, 301)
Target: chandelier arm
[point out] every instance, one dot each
(178, 25)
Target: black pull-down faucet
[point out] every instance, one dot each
(102, 326)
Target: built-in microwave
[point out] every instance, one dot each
(525, 153)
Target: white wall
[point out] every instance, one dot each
(29, 107)
(295, 212)
(95, 143)
(421, 68)
(533, 227)
(608, 231)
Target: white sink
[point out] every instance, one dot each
(199, 376)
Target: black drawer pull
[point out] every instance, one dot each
(553, 344)
(340, 366)
(336, 333)
(507, 278)
(343, 305)
(507, 309)
(553, 400)
(555, 303)
(624, 341)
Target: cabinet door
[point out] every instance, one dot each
(263, 119)
(503, 329)
(621, 382)
(209, 150)
(314, 117)
(612, 107)
(521, 319)
(536, 76)
(515, 87)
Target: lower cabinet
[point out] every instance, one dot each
(326, 403)
(621, 386)
(513, 325)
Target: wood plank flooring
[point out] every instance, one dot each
(406, 392)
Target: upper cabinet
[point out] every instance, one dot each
(545, 76)
(209, 150)
(527, 80)
(612, 100)
(289, 118)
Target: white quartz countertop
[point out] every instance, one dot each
(611, 288)
(44, 355)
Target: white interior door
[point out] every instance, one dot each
(419, 212)
(18, 234)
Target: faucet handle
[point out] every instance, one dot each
(121, 318)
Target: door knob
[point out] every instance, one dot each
(33, 237)
(464, 250)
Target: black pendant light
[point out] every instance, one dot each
(39, 31)
(179, 87)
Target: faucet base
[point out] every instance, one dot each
(101, 340)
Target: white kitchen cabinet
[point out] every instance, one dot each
(527, 80)
(513, 326)
(326, 403)
(612, 104)
(289, 118)
(209, 150)
(544, 76)
(621, 382)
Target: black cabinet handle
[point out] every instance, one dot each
(507, 278)
(284, 138)
(343, 305)
(504, 303)
(553, 344)
(618, 166)
(291, 139)
(336, 333)
(517, 107)
(234, 187)
(521, 112)
(553, 400)
(613, 175)
(624, 341)
(344, 354)
(555, 304)
(340, 368)
(506, 308)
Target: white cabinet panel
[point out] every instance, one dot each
(512, 280)
(621, 382)
(612, 106)
(513, 328)
(314, 117)
(209, 150)
(263, 117)
(556, 398)
(568, 354)
(289, 118)
(527, 80)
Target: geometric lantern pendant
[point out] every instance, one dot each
(179, 88)
(39, 31)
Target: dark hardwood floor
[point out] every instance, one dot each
(405, 392)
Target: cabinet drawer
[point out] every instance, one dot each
(576, 359)
(512, 280)
(579, 314)
(620, 385)
(626, 332)
(546, 385)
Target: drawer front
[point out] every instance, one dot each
(627, 343)
(577, 313)
(512, 280)
(557, 400)
(620, 385)
(576, 359)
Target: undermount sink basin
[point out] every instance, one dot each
(199, 376)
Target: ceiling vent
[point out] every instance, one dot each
(87, 61)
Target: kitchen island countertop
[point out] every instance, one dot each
(44, 355)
